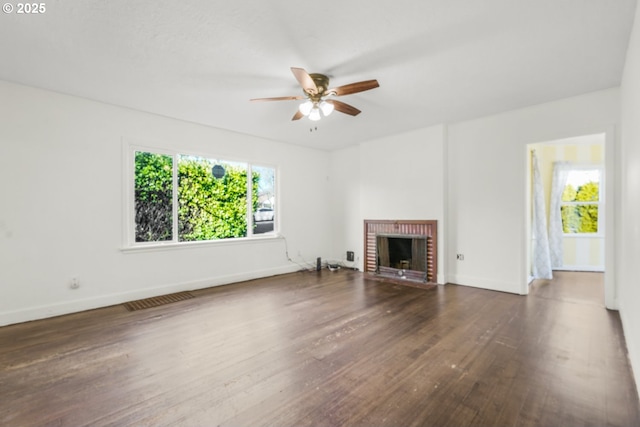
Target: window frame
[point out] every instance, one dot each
(600, 202)
(129, 229)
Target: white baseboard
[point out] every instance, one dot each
(492, 285)
(588, 268)
(67, 307)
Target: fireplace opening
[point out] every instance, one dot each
(402, 256)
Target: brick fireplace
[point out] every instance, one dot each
(404, 250)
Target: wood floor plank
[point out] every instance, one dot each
(328, 349)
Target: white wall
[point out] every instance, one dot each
(628, 247)
(487, 183)
(61, 206)
(398, 177)
(346, 200)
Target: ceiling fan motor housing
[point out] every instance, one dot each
(322, 84)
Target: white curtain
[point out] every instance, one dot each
(560, 174)
(541, 255)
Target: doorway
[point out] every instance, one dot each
(585, 240)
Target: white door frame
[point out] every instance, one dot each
(611, 180)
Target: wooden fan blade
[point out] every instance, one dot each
(354, 88)
(305, 80)
(344, 108)
(279, 98)
(297, 116)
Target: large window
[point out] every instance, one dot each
(184, 198)
(581, 200)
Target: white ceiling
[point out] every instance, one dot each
(437, 61)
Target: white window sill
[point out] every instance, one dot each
(584, 235)
(153, 247)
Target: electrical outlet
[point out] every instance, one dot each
(350, 256)
(74, 283)
(460, 257)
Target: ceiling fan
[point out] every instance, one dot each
(318, 95)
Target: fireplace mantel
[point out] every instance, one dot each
(427, 228)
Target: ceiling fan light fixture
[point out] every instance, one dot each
(314, 114)
(326, 107)
(306, 107)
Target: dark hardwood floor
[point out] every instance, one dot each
(328, 349)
